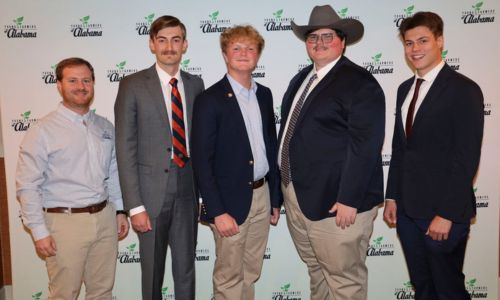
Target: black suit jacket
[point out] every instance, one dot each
(335, 149)
(221, 153)
(432, 173)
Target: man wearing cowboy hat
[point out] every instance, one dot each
(329, 156)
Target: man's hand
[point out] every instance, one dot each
(122, 223)
(390, 211)
(140, 222)
(226, 225)
(46, 246)
(439, 228)
(346, 215)
(275, 215)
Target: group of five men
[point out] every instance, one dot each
(325, 165)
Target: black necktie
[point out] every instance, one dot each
(411, 109)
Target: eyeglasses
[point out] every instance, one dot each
(326, 38)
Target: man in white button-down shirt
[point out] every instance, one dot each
(67, 184)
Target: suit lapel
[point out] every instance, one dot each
(432, 96)
(154, 87)
(325, 81)
(402, 93)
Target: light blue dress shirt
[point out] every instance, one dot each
(249, 106)
(66, 160)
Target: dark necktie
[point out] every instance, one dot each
(411, 109)
(178, 132)
(285, 157)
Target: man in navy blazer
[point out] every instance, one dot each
(333, 118)
(435, 155)
(234, 159)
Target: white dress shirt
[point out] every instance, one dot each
(66, 160)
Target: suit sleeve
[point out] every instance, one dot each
(203, 142)
(468, 123)
(274, 174)
(366, 129)
(126, 128)
(393, 179)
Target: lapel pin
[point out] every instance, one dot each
(230, 95)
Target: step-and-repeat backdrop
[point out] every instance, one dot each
(113, 36)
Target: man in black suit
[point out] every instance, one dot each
(435, 155)
(330, 161)
(234, 159)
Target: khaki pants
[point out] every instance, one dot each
(240, 257)
(335, 257)
(87, 247)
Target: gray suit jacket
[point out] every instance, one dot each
(143, 137)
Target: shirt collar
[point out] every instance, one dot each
(165, 77)
(432, 74)
(73, 116)
(240, 89)
(323, 71)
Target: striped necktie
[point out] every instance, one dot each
(178, 131)
(286, 176)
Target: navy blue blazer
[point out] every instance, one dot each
(335, 152)
(221, 153)
(432, 173)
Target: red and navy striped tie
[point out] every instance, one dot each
(178, 132)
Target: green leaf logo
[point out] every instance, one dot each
(131, 247)
(376, 57)
(277, 14)
(285, 288)
(37, 296)
(85, 20)
(474, 189)
(53, 67)
(309, 61)
(93, 110)
(477, 6)
(150, 18)
(19, 21)
(26, 115)
(444, 53)
(214, 16)
(121, 65)
(343, 12)
(407, 284)
(378, 240)
(185, 64)
(409, 10)
(471, 283)
(164, 291)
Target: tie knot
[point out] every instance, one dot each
(419, 82)
(173, 81)
(315, 75)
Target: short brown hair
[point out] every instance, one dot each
(423, 18)
(164, 22)
(241, 32)
(71, 62)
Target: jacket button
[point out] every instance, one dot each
(250, 162)
(249, 183)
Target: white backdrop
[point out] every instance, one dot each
(112, 35)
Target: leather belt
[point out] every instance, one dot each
(91, 209)
(257, 184)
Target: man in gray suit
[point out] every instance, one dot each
(153, 121)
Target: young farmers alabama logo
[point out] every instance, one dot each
(380, 248)
(407, 12)
(214, 23)
(85, 28)
(23, 122)
(129, 255)
(477, 13)
(286, 293)
(142, 27)
(49, 77)
(119, 71)
(378, 65)
(278, 22)
(19, 29)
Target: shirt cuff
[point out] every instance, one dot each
(390, 199)
(39, 232)
(137, 210)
